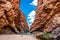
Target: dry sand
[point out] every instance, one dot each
(17, 37)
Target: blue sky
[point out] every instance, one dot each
(27, 7)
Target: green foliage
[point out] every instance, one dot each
(44, 37)
(47, 35)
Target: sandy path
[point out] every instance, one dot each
(17, 37)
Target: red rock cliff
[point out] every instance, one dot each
(12, 19)
(47, 16)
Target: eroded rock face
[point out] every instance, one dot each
(16, 6)
(56, 32)
(47, 16)
(21, 22)
(11, 18)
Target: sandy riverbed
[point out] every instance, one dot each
(17, 37)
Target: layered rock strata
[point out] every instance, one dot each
(12, 20)
(47, 16)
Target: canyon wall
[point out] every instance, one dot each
(12, 19)
(47, 16)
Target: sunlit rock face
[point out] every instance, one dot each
(47, 16)
(12, 19)
(16, 6)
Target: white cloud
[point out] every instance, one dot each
(31, 18)
(34, 2)
(32, 14)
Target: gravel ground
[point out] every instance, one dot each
(17, 37)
